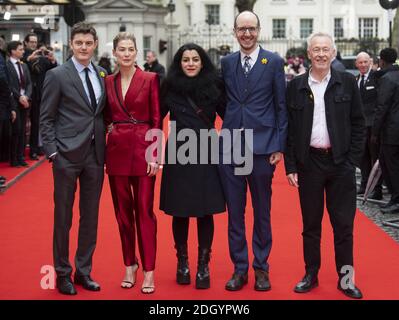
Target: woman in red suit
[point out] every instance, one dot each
(132, 109)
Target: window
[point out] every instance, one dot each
(146, 45)
(338, 28)
(306, 28)
(368, 27)
(279, 28)
(213, 13)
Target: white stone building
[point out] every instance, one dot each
(285, 23)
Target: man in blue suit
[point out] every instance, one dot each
(255, 87)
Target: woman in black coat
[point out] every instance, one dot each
(192, 93)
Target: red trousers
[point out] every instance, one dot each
(133, 199)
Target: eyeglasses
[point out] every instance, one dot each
(319, 50)
(243, 30)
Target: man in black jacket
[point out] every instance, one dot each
(325, 141)
(153, 65)
(386, 124)
(21, 87)
(367, 83)
(39, 60)
(7, 107)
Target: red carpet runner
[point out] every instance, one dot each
(26, 215)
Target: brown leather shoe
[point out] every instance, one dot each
(262, 282)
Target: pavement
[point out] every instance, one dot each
(372, 210)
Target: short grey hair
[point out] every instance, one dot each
(321, 34)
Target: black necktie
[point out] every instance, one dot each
(362, 84)
(91, 90)
(21, 76)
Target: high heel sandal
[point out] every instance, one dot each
(148, 289)
(130, 284)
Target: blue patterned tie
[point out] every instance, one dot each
(247, 65)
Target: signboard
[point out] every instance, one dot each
(30, 10)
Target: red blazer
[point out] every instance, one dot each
(126, 145)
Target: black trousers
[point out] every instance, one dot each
(5, 139)
(18, 136)
(390, 169)
(90, 176)
(370, 155)
(322, 177)
(205, 230)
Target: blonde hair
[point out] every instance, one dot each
(124, 36)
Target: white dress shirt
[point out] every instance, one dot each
(320, 137)
(253, 57)
(15, 64)
(93, 79)
(366, 76)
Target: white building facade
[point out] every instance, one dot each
(285, 23)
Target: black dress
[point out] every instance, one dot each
(190, 190)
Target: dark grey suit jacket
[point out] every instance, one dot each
(67, 121)
(14, 81)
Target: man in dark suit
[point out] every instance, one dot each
(73, 132)
(368, 92)
(7, 105)
(21, 88)
(152, 65)
(39, 61)
(386, 125)
(255, 86)
(325, 141)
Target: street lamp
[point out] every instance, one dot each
(171, 8)
(389, 5)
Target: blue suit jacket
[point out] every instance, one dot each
(257, 103)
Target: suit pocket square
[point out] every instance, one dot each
(370, 88)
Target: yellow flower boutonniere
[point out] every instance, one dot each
(102, 74)
(265, 61)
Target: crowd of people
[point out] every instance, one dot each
(324, 121)
(22, 76)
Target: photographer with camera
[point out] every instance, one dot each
(39, 60)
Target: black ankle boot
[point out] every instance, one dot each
(183, 271)
(203, 280)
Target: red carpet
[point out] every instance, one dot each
(26, 212)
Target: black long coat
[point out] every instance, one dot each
(190, 190)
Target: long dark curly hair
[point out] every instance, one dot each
(206, 88)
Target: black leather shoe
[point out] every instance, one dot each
(262, 282)
(376, 195)
(352, 291)
(203, 278)
(15, 164)
(391, 209)
(65, 286)
(23, 163)
(183, 270)
(87, 282)
(236, 282)
(308, 282)
(34, 156)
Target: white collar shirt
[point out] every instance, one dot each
(320, 137)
